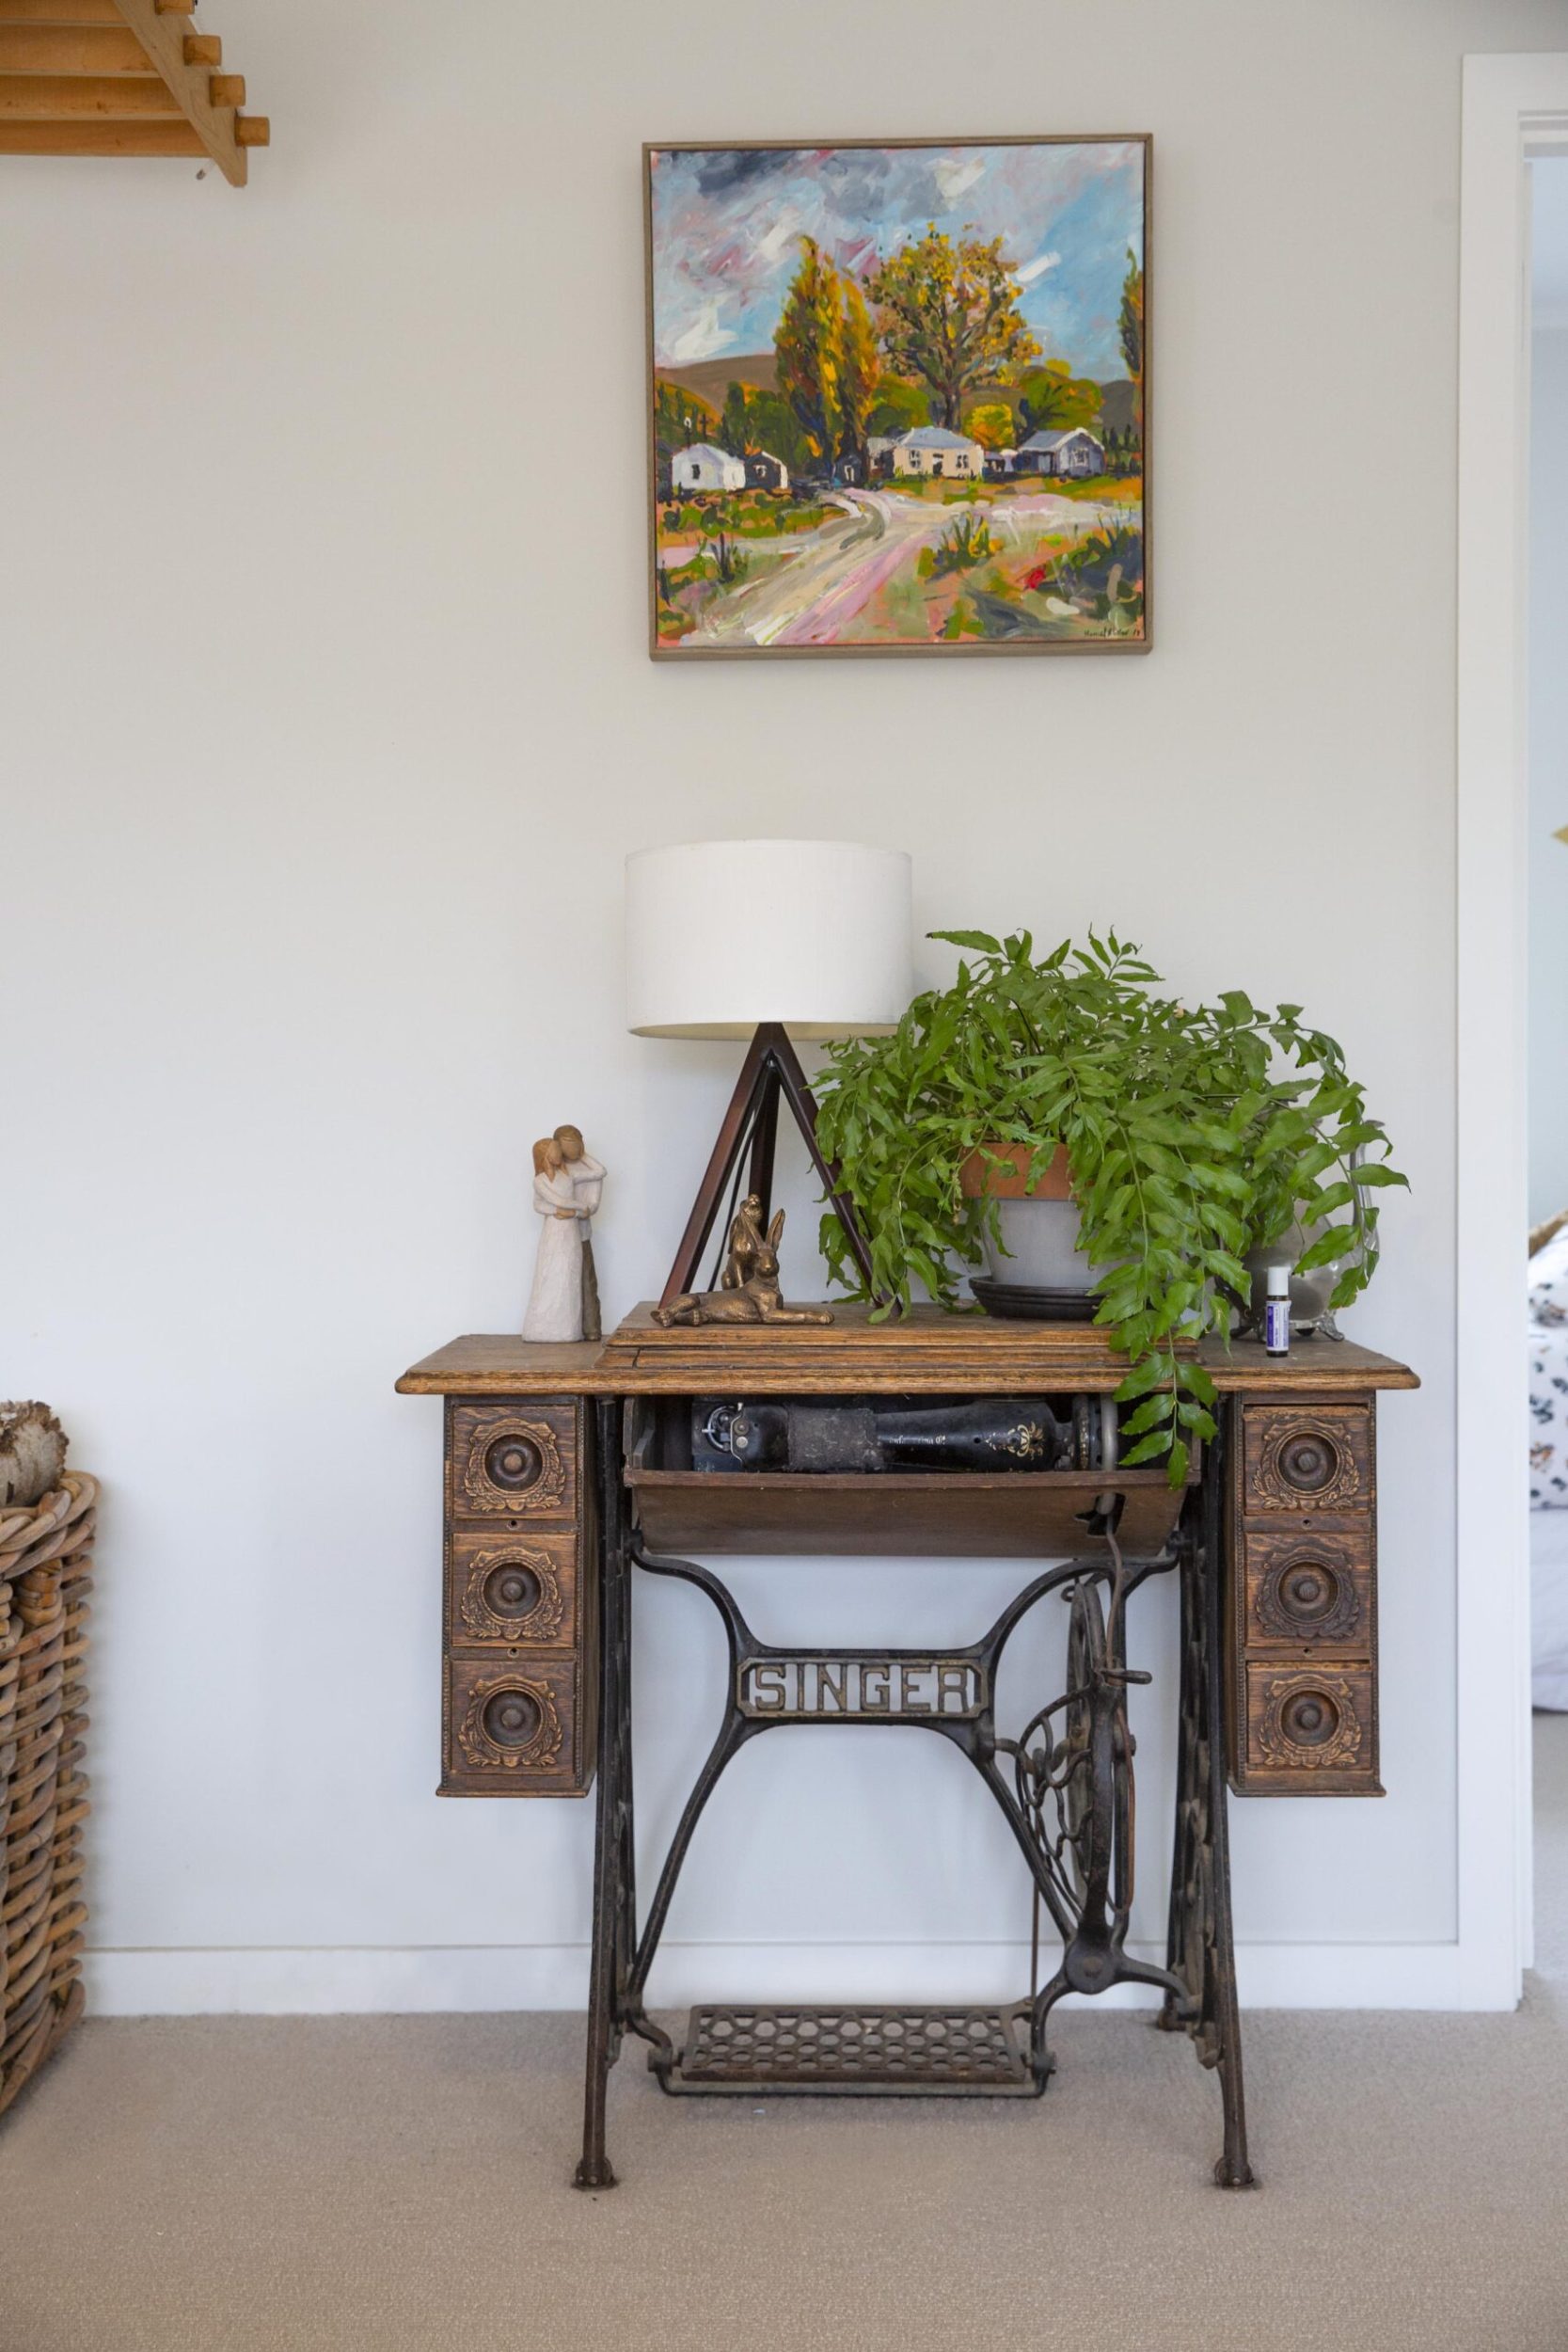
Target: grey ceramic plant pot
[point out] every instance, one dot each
(1039, 1222)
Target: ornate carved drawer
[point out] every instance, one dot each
(1310, 1730)
(519, 1700)
(1306, 1588)
(511, 1461)
(515, 1728)
(512, 1591)
(1301, 1615)
(1311, 1458)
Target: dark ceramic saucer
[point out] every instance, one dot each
(1024, 1302)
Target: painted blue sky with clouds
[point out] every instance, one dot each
(727, 223)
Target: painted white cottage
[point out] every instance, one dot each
(930, 448)
(1074, 453)
(702, 466)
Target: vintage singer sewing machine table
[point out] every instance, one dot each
(567, 1468)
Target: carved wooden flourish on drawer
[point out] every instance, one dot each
(512, 1721)
(511, 1593)
(1307, 1722)
(507, 1461)
(1306, 1587)
(1305, 1458)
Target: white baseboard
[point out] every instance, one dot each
(309, 1982)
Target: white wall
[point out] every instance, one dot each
(327, 722)
(1548, 698)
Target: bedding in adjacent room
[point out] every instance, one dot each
(1549, 1472)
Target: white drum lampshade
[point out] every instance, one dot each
(723, 936)
(770, 940)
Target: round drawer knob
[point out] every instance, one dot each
(514, 1463)
(1309, 1463)
(1309, 1591)
(512, 1590)
(511, 1718)
(1309, 1718)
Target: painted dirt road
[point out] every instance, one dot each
(815, 594)
(808, 598)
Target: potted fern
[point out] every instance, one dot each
(1191, 1136)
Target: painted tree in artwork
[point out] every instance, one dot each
(735, 424)
(757, 419)
(1130, 324)
(860, 371)
(899, 408)
(949, 315)
(1054, 399)
(991, 423)
(808, 351)
(680, 416)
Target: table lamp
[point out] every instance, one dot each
(770, 940)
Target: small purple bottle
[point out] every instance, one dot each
(1276, 1312)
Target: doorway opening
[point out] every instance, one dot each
(1546, 886)
(1516, 112)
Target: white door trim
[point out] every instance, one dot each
(1514, 105)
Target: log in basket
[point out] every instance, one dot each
(45, 1579)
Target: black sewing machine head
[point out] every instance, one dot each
(808, 1434)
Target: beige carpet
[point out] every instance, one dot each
(399, 2184)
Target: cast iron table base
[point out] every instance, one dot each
(1064, 1785)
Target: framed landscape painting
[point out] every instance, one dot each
(898, 397)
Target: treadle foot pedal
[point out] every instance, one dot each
(902, 2052)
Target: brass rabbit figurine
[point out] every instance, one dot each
(750, 1283)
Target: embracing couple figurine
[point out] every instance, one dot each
(567, 1188)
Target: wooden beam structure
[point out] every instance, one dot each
(173, 135)
(120, 78)
(71, 49)
(58, 12)
(98, 97)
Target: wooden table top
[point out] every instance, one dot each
(926, 1350)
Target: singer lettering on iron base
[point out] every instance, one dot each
(815, 1689)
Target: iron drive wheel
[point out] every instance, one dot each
(1092, 1767)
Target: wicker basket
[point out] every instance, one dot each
(45, 1564)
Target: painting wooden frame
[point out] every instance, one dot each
(986, 604)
